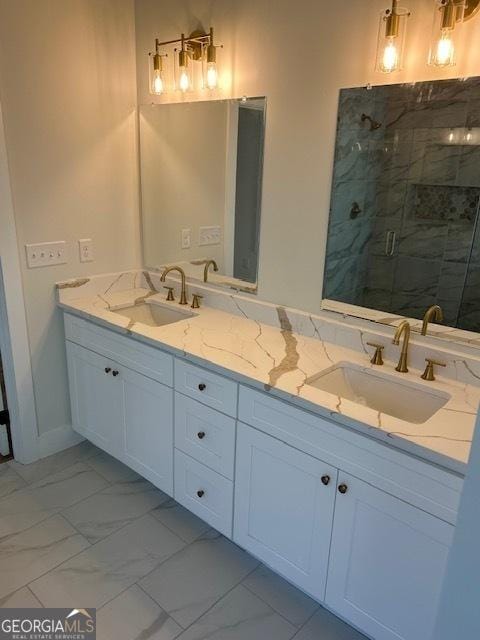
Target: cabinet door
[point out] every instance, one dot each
(387, 562)
(96, 397)
(283, 508)
(148, 435)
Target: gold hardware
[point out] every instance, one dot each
(433, 313)
(196, 301)
(183, 295)
(392, 22)
(471, 9)
(428, 373)
(207, 265)
(377, 357)
(403, 328)
(170, 295)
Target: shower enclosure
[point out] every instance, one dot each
(403, 230)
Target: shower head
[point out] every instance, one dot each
(373, 123)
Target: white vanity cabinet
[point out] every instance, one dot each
(284, 502)
(360, 526)
(96, 398)
(117, 407)
(387, 563)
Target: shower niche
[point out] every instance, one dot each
(403, 228)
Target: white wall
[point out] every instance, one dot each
(459, 612)
(67, 88)
(183, 154)
(298, 55)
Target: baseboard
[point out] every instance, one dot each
(57, 440)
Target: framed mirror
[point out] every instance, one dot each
(201, 167)
(404, 219)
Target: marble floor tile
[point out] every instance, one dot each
(21, 599)
(112, 469)
(180, 520)
(112, 508)
(58, 461)
(290, 602)
(325, 626)
(38, 501)
(10, 481)
(191, 581)
(238, 616)
(109, 567)
(31, 553)
(133, 615)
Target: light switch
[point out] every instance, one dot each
(209, 235)
(186, 239)
(86, 250)
(46, 254)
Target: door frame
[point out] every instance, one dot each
(14, 343)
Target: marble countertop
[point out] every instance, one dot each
(279, 361)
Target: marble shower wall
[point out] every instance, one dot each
(405, 198)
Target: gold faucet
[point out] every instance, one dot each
(434, 313)
(183, 295)
(205, 271)
(403, 328)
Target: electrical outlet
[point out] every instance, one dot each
(186, 239)
(85, 247)
(46, 254)
(209, 235)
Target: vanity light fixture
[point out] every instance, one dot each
(198, 47)
(211, 72)
(391, 38)
(156, 75)
(184, 81)
(448, 15)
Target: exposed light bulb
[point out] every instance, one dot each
(157, 84)
(212, 75)
(184, 81)
(444, 50)
(390, 56)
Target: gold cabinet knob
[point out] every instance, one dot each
(377, 357)
(429, 374)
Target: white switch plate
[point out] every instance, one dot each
(85, 247)
(46, 254)
(186, 239)
(209, 235)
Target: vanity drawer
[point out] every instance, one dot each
(151, 362)
(204, 492)
(206, 387)
(405, 476)
(205, 434)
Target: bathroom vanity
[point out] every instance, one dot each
(225, 413)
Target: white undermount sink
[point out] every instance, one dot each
(384, 393)
(153, 314)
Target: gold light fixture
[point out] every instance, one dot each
(447, 18)
(195, 63)
(155, 69)
(184, 81)
(391, 38)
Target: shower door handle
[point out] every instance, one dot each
(390, 240)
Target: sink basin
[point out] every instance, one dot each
(386, 394)
(153, 314)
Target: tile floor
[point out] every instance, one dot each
(79, 529)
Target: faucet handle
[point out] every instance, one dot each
(170, 293)
(377, 357)
(196, 301)
(428, 374)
